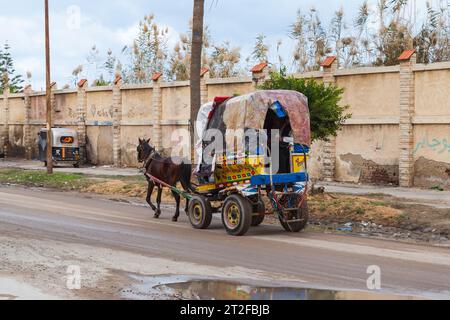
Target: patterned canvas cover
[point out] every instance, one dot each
(249, 112)
(200, 127)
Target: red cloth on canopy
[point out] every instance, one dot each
(217, 102)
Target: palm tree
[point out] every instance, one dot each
(196, 61)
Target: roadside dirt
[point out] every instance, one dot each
(380, 216)
(119, 187)
(380, 209)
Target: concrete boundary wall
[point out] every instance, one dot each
(399, 132)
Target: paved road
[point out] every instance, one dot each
(330, 261)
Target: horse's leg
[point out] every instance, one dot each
(177, 200)
(158, 202)
(187, 206)
(151, 186)
(187, 200)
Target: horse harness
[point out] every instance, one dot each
(149, 159)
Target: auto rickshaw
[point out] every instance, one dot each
(65, 147)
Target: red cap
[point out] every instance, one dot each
(328, 61)
(82, 82)
(156, 76)
(259, 67)
(406, 55)
(203, 71)
(117, 79)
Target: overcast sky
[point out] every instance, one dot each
(112, 24)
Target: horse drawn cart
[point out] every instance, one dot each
(260, 165)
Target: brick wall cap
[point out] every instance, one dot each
(328, 61)
(204, 71)
(406, 55)
(156, 76)
(81, 83)
(259, 67)
(117, 79)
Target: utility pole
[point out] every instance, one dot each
(48, 93)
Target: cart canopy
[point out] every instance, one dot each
(250, 111)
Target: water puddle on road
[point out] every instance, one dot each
(182, 287)
(11, 289)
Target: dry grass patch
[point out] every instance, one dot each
(344, 208)
(117, 187)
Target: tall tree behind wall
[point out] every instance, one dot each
(148, 53)
(7, 71)
(179, 66)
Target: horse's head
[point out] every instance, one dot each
(144, 150)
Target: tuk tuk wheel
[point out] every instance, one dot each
(301, 214)
(237, 215)
(200, 212)
(259, 215)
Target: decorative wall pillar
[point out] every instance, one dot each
(117, 120)
(157, 112)
(81, 118)
(260, 73)
(5, 133)
(27, 138)
(407, 92)
(329, 162)
(204, 76)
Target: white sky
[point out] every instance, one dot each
(112, 24)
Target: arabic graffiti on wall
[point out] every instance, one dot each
(439, 145)
(106, 112)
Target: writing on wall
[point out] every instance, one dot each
(438, 145)
(107, 112)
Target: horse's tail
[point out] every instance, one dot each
(185, 177)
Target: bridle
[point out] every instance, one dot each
(150, 158)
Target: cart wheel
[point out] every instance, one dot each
(260, 209)
(200, 212)
(257, 220)
(237, 215)
(297, 226)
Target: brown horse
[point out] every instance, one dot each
(165, 170)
